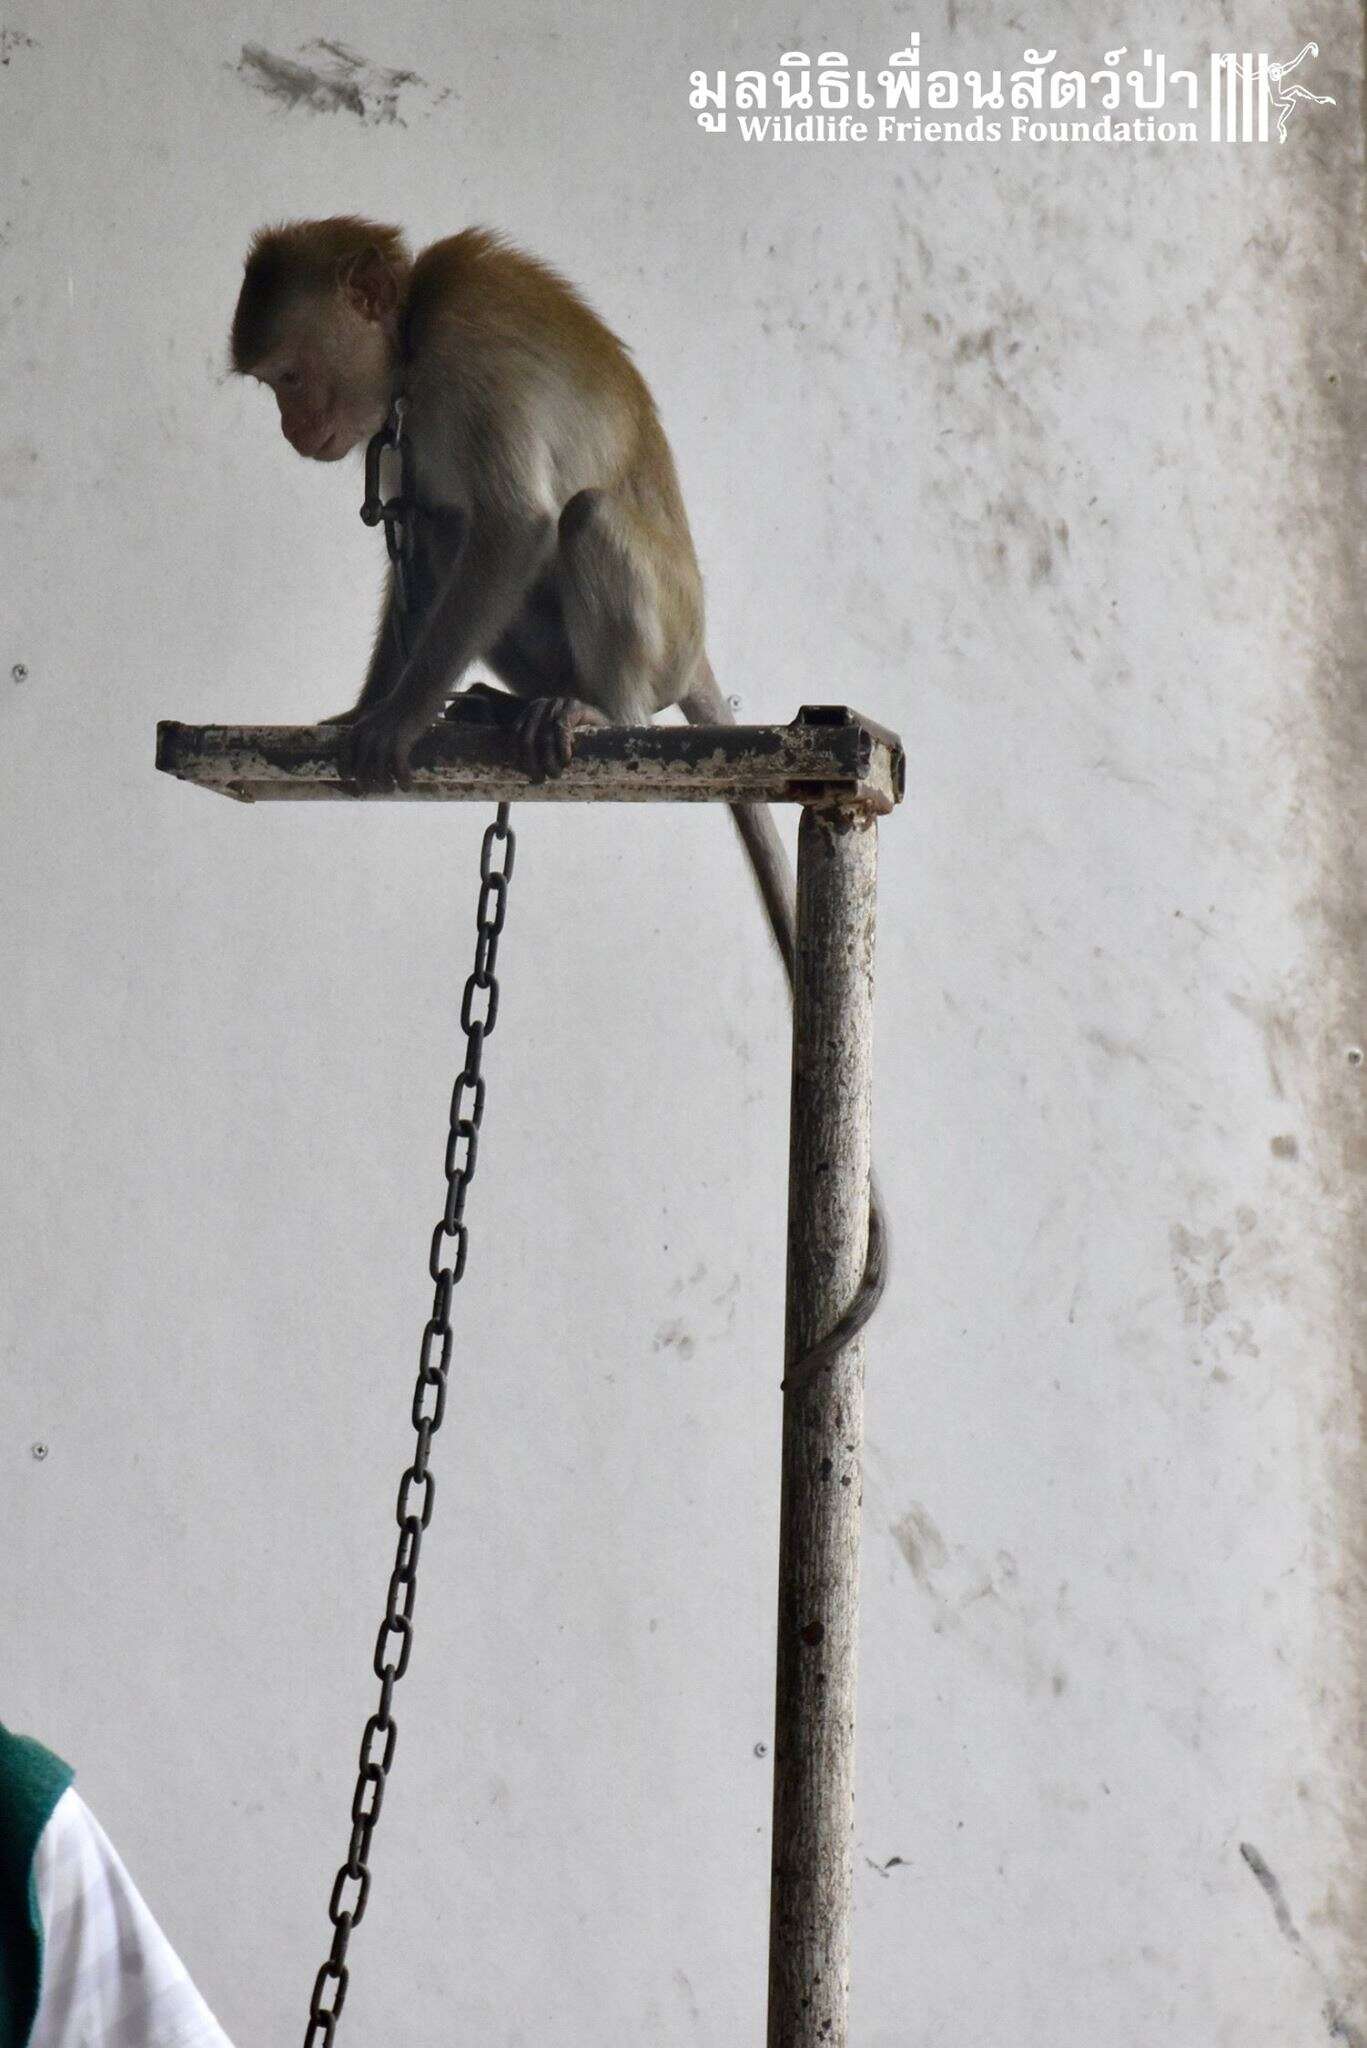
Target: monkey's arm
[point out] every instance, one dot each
(1310, 50)
(502, 552)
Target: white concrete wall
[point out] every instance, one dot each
(1045, 457)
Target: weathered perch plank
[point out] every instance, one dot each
(829, 755)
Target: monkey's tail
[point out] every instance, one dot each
(705, 705)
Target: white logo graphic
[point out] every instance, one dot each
(827, 100)
(1284, 96)
(1262, 84)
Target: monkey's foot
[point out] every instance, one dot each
(547, 728)
(482, 704)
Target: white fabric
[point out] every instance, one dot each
(111, 1979)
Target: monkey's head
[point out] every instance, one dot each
(317, 321)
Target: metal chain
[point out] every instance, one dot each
(393, 514)
(417, 1488)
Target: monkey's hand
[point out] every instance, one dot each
(547, 728)
(379, 744)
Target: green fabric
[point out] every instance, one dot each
(32, 1780)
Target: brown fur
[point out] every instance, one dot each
(296, 258)
(476, 285)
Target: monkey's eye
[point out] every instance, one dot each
(288, 380)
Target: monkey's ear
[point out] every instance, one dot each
(370, 284)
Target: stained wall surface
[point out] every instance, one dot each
(1043, 453)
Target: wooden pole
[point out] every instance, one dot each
(818, 1593)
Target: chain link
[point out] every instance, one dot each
(417, 1487)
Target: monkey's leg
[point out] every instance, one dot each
(632, 600)
(577, 652)
(533, 658)
(483, 704)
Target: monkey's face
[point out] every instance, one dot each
(330, 369)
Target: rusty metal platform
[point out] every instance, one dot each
(829, 756)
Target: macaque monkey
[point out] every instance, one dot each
(551, 541)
